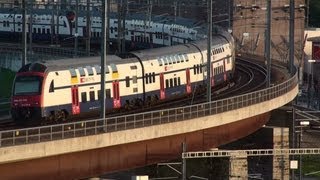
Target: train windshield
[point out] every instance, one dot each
(27, 85)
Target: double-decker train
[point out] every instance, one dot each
(57, 89)
(47, 25)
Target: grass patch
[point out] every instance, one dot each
(6, 79)
(311, 163)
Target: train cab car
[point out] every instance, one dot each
(26, 101)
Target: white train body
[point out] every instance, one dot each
(59, 88)
(45, 27)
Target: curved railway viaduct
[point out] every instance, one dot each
(86, 149)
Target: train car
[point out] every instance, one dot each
(49, 25)
(55, 90)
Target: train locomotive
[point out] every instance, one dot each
(57, 89)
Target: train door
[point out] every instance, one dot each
(213, 75)
(188, 84)
(162, 90)
(116, 94)
(75, 100)
(224, 70)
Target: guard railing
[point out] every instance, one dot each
(112, 124)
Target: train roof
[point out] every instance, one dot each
(63, 64)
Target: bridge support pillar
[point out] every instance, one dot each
(238, 166)
(280, 163)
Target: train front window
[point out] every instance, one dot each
(25, 85)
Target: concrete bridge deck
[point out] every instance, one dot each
(148, 138)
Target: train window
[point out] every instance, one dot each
(108, 71)
(39, 30)
(154, 77)
(91, 95)
(98, 69)
(135, 90)
(81, 71)
(160, 61)
(99, 94)
(165, 61)
(146, 77)
(150, 77)
(43, 31)
(171, 83)
(89, 70)
(176, 57)
(134, 79)
(48, 31)
(73, 72)
(127, 81)
(200, 68)
(84, 97)
(223, 49)
(179, 81)
(167, 83)
(194, 69)
(186, 57)
(108, 93)
(113, 68)
(133, 67)
(175, 82)
(51, 88)
(181, 57)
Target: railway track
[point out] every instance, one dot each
(246, 73)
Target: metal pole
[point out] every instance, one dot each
(24, 33)
(229, 13)
(58, 4)
(88, 28)
(103, 59)
(184, 165)
(293, 133)
(76, 30)
(209, 50)
(268, 42)
(291, 36)
(108, 27)
(123, 28)
(300, 157)
(119, 26)
(30, 27)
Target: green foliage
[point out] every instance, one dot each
(6, 79)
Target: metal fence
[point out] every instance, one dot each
(112, 124)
